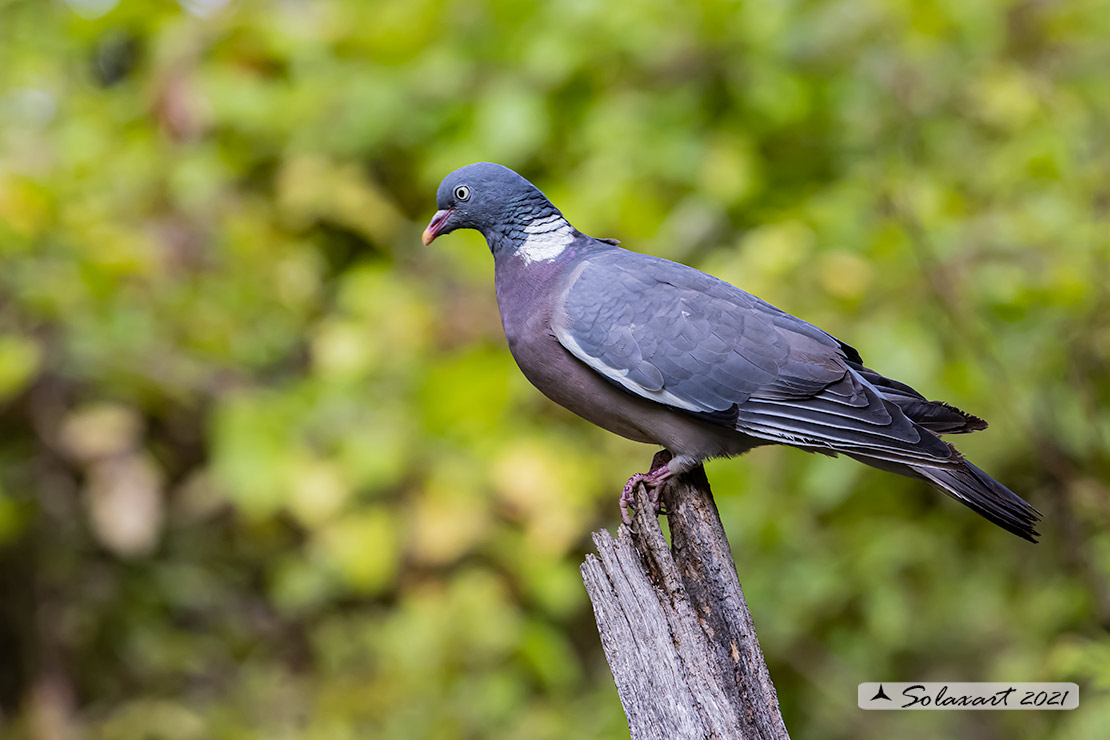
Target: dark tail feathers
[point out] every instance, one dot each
(984, 495)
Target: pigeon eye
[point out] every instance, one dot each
(462, 192)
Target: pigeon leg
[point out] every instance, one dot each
(651, 481)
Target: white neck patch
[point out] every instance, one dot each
(547, 238)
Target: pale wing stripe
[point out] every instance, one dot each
(621, 376)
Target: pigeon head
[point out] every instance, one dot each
(492, 199)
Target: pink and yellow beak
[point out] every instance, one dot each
(436, 226)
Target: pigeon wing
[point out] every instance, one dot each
(677, 336)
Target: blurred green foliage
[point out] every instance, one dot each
(267, 468)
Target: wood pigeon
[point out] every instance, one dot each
(662, 353)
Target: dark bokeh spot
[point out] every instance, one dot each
(115, 58)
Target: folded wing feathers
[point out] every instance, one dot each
(936, 416)
(681, 338)
(879, 430)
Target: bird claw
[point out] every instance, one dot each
(651, 482)
(628, 494)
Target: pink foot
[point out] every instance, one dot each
(664, 466)
(651, 483)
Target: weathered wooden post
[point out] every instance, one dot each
(675, 626)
